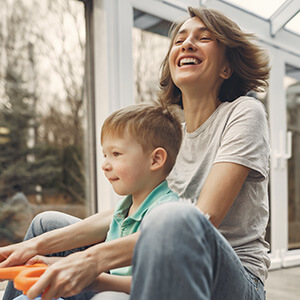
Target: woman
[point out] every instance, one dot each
(222, 167)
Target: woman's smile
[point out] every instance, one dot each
(188, 61)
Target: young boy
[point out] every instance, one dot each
(140, 145)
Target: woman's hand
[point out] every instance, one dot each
(79, 271)
(66, 277)
(17, 254)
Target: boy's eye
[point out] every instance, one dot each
(116, 153)
(178, 42)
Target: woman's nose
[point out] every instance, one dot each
(188, 45)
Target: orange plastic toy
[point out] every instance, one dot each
(24, 277)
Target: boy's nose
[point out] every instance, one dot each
(106, 166)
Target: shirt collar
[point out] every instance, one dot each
(122, 211)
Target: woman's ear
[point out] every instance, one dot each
(158, 158)
(226, 72)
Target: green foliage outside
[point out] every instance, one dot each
(42, 98)
(54, 167)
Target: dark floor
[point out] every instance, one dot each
(284, 284)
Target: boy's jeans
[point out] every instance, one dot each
(42, 223)
(180, 255)
(23, 297)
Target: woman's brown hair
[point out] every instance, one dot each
(249, 63)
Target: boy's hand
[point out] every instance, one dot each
(65, 278)
(17, 254)
(40, 259)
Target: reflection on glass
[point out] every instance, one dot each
(149, 47)
(148, 51)
(292, 85)
(42, 112)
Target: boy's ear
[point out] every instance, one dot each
(158, 158)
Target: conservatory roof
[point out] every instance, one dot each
(280, 13)
(275, 22)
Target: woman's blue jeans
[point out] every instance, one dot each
(180, 255)
(42, 223)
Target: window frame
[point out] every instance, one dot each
(113, 71)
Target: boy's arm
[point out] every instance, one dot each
(108, 282)
(86, 232)
(77, 271)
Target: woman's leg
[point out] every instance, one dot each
(180, 255)
(42, 223)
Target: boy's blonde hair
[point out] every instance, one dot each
(151, 125)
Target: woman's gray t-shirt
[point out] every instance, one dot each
(236, 132)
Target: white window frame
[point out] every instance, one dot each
(112, 26)
(112, 23)
(281, 256)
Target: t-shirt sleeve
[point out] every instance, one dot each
(245, 139)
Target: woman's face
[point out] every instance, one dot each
(196, 58)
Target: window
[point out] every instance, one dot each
(292, 85)
(43, 112)
(150, 45)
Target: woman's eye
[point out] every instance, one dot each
(116, 154)
(205, 38)
(178, 42)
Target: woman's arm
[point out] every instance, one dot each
(220, 189)
(77, 271)
(86, 232)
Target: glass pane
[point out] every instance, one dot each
(261, 8)
(294, 24)
(42, 112)
(150, 45)
(292, 85)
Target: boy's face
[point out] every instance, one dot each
(126, 165)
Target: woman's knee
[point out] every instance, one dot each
(173, 217)
(171, 233)
(170, 225)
